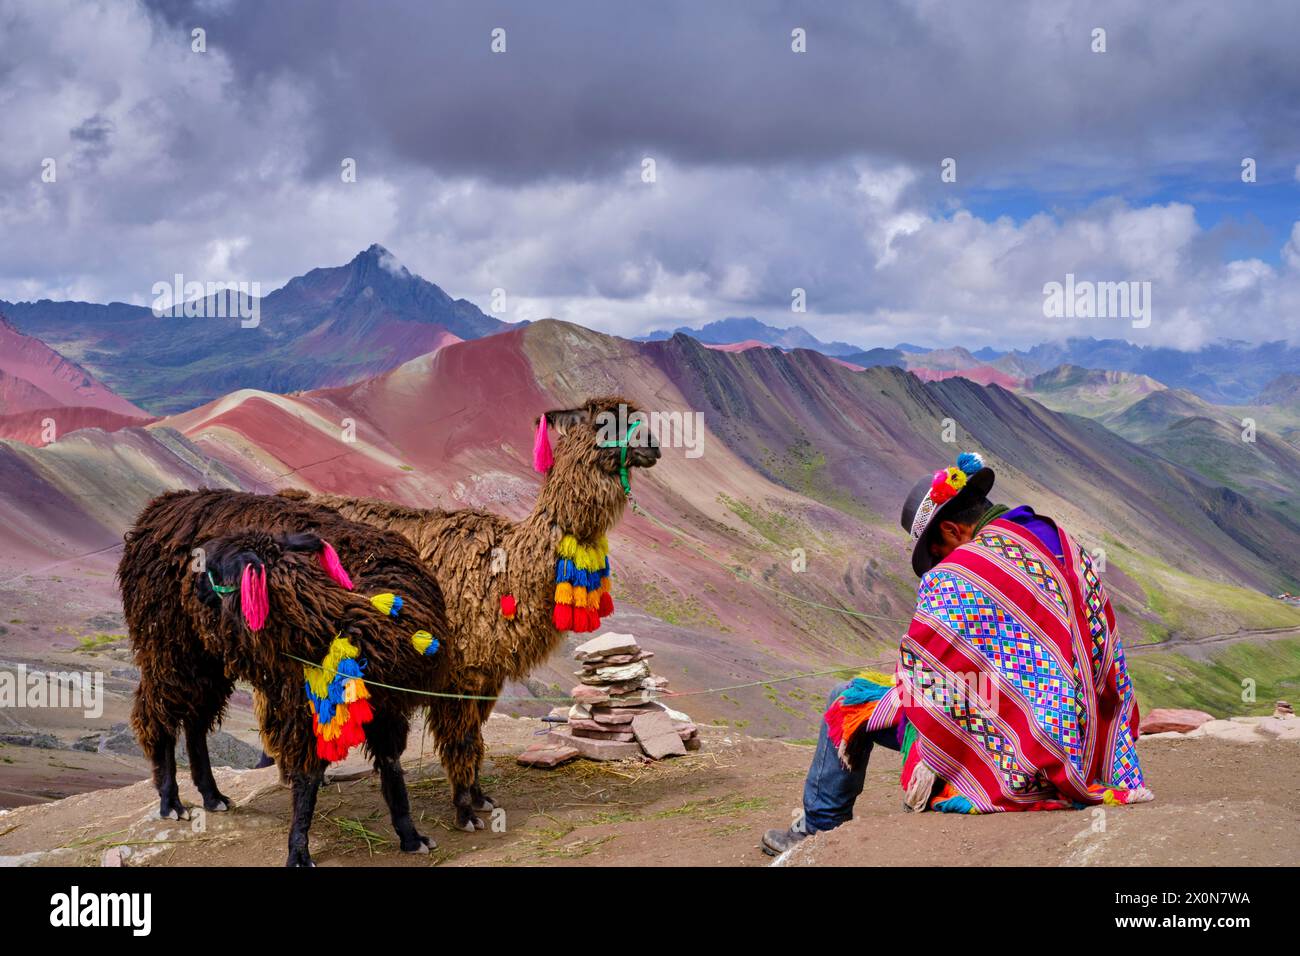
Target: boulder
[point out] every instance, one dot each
(1165, 720)
(607, 645)
(595, 749)
(547, 754)
(656, 735)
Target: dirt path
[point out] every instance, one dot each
(1217, 803)
(1214, 640)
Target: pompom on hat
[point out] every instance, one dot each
(947, 491)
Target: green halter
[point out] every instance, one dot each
(220, 588)
(622, 457)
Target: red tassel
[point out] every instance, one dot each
(359, 712)
(563, 617)
(508, 606)
(606, 604)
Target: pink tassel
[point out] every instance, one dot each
(542, 457)
(252, 597)
(329, 560)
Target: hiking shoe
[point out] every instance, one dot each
(776, 842)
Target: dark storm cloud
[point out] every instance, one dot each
(586, 86)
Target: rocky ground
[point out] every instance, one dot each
(1218, 801)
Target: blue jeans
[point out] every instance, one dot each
(830, 791)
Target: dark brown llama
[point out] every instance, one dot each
(193, 637)
(479, 558)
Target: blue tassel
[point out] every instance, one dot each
(969, 462)
(397, 606)
(861, 690)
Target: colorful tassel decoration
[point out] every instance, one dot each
(339, 700)
(389, 604)
(563, 617)
(582, 595)
(329, 560)
(508, 606)
(253, 600)
(542, 457)
(425, 643)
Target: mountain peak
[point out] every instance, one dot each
(379, 255)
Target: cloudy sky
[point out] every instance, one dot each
(773, 169)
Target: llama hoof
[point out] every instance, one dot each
(422, 844)
(471, 823)
(173, 810)
(485, 803)
(220, 804)
(299, 858)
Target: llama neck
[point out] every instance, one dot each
(587, 513)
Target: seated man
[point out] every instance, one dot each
(1011, 691)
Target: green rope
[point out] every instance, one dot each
(220, 588)
(570, 700)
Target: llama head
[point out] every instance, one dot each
(597, 447)
(235, 569)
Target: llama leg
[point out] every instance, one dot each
(386, 738)
(196, 743)
(392, 782)
(164, 778)
(158, 741)
(455, 727)
(306, 785)
(480, 800)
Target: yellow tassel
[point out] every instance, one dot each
(564, 593)
(320, 677)
(593, 600)
(421, 640)
(567, 547)
(383, 603)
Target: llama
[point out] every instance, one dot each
(263, 595)
(499, 577)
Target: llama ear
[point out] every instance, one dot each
(543, 459)
(252, 596)
(301, 541)
(565, 418)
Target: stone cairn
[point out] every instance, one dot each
(615, 715)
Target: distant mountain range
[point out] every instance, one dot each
(1252, 448)
(734, 330)
(331, 326)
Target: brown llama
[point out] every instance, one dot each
(480, 558)
(259, 599)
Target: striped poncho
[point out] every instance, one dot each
(1010, 684)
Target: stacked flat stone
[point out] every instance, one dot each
(615, 715)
